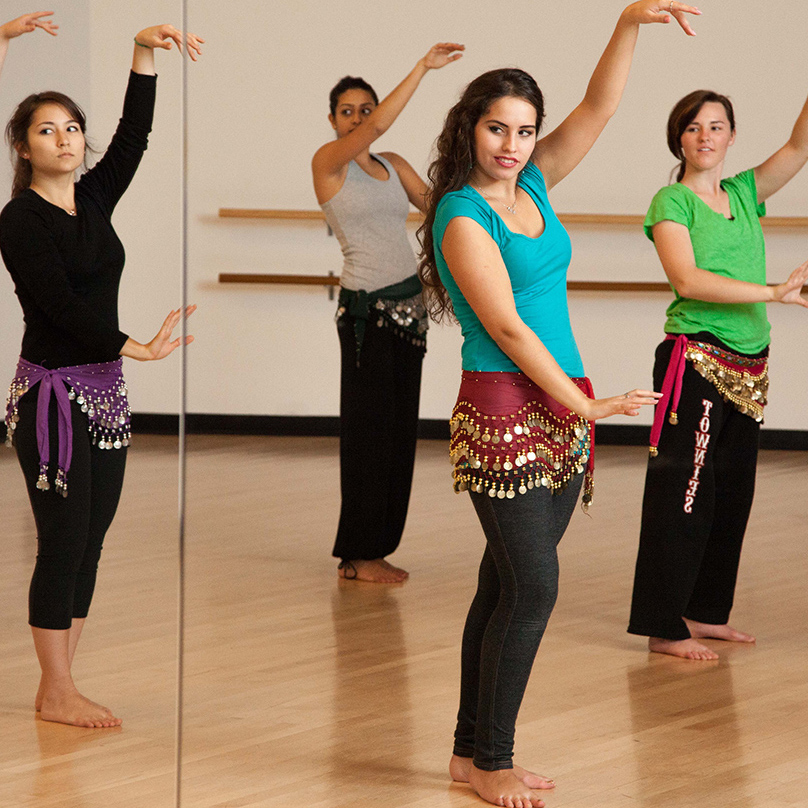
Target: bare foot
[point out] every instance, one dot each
(68, 706)
(375, 570)
(687, 649)
(503, 788)
(715, 632)
(459, 768)
(395, 570)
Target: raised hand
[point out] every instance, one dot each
(28, 23)
(164, 36)
(442, 54)
(627, 404)
(791, 290)
(162, 344)
(648, 11)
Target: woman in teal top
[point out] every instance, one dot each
(712, 370)
(496, 255)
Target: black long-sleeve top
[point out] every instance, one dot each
(67, 269)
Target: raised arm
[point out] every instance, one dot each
(477, 267)
(330, 159)
(24, 25)
(774, 173)
(675, 250)
(561, 150)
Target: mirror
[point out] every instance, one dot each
(127, 657)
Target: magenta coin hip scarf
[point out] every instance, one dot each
(100, 391)
(509, 435)
(742, 381)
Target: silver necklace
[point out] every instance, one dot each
(510, 208)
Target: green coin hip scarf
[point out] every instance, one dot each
(508, 436)
(399, 307)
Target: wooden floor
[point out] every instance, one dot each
(300, 690)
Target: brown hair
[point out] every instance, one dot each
(17, 132)
(451, 167)
(682, 116)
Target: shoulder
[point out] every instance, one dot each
(397, 163)
(23, 210)
(671, 203)
(742, 183)
(531, 176)
(465, 202)
(745, 185)
(395, 160)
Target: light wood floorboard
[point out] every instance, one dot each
(303, 690)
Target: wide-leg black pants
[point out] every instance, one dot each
(698, 495)
(379, 401)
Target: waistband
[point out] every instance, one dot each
(741, 380)
(101, 392)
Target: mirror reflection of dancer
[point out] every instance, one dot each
(24, 25)
(497, 256)
(701, 475)
(67, 411)
(381, 320)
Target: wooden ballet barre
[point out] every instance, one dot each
(333, 280)
(618, 219)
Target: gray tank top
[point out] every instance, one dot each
(368, 217)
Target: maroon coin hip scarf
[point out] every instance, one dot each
(509, 435)
(742, 381)
(100, 391)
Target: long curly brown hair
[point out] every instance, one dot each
(454, 161)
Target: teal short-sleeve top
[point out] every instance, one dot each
(537, 268)
(731, 247)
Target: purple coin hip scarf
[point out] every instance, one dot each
(509, 435)
(98, 389)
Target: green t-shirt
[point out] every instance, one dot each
(732, 247)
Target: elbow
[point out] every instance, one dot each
(506, 335)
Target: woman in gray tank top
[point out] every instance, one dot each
(381, 319)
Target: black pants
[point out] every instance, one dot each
(516, 591)
(379, 401)
(70, 530)
(698, 495)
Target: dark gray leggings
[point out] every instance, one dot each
(516, 592)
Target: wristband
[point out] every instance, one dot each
(142, 46)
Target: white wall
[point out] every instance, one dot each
(258, 106)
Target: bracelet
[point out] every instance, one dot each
(142, 46)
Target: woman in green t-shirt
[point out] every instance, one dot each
(712, 370)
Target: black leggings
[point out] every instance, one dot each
(516, 591)
(70, 530)
(698, 495)
(378, 430)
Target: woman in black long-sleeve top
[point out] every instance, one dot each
(67, 405)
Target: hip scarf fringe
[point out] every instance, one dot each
(742, 381)
(398, 306)
(508, 436)
(100, 391)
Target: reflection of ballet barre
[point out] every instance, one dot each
(565, 218)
